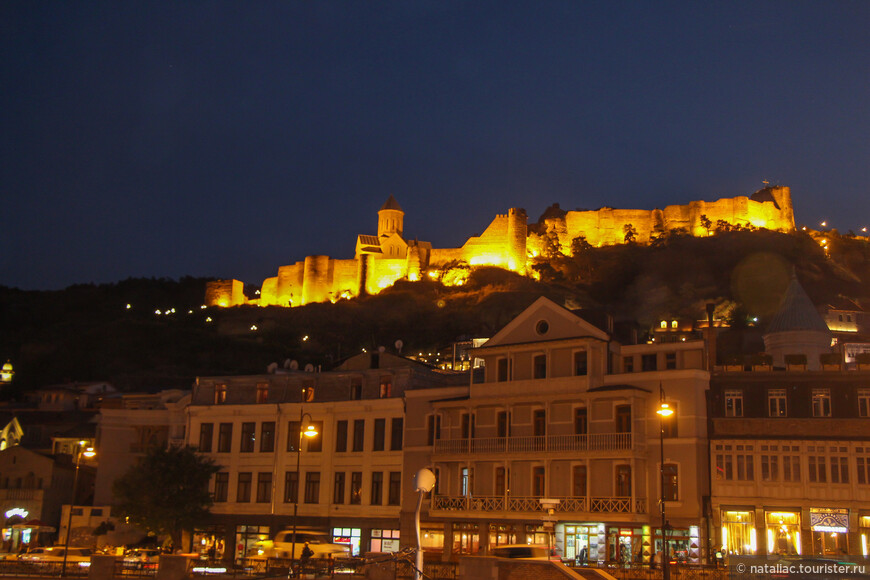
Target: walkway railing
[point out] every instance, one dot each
(613, 505)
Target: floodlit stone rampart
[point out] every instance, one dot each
(507, 242)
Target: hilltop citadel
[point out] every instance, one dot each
(508, 242)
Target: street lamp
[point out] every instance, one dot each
(664, 411)
(86, 452)
(309, 432)
(424, 482)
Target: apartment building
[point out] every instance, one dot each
(349, 483)
(790, 444)
(558, 441)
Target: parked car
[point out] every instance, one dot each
(282, 546)
(55, 555)
(142, 558)
(523, 551)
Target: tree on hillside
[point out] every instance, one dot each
(166, 492)
(630, 233)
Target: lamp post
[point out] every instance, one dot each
(87, 452)
(309, 431)
(664, 411)
(424, 482)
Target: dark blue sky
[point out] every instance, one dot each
(164, 138)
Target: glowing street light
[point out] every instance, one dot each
(310, 431)
(664, 411)
(89, 453)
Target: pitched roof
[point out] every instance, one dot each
(391, 203)
(797, 312)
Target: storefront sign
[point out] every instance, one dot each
(21, 512)
(833, 520)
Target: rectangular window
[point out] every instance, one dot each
(581, 421)
(770, 468)
(264, 487)
(397, 426)
(776, 403)
(670, 361)
(649, 363)
(539, 482)
(623, 418)
(356, 488)
(293, 435)
(246, 445)
(539, 364)
(724, 467)
(863, 465)
(839, 469)
(466, 476)
(262, 392)
(394, 491)
(338, 488)
(818, 472)
(864, 402)
(502, 370)
(623, 481)
(502, 420)
(221, 486)
(433, 429)
(386, 387)
(220, 394)
(733, 403)
(379, 435)
(500, 481)
(225, 437)
(581, 368)
(791, 468)
(243, 490)
(315, 444)
(291, 487)
(671, 482)
(312, 487)
(341, 436)
(377, 488)
(267, 437)
(206, 435)
(579, 480)
(745, 467)
(628, 364)
(359, 434)
(355, 389)
(821, 402)
(539, 418)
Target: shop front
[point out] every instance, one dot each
(466, 538)
(350, 537)
(738, 532)
(830, 529)
(583, 542)
(209, 542)
(625, 545)
(864, 534)
(683, 544)
(783, 529)
(247, 538)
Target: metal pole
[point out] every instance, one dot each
(69, 516)
(419, 573)
(666, 572)
(296, 495)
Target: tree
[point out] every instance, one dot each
(166, 492)
(706, 223)
(630, 233)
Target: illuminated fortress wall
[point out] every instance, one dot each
(381, 260)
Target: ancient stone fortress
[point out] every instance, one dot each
(382, 259)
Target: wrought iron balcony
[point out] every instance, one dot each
(537, 444)
(612, 505)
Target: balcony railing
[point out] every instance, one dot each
(612, 505)
(537, 444)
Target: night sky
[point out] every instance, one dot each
(166, 138)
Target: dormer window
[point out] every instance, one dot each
(220, 394)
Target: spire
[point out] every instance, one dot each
(797, 312)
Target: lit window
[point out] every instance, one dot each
(776, 403)
(821, 402)
(734, 403)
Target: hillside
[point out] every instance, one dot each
(86, 332)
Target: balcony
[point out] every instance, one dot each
(573, 505)
(18, 494)
(597, 442)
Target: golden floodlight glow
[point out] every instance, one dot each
(665, 410)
